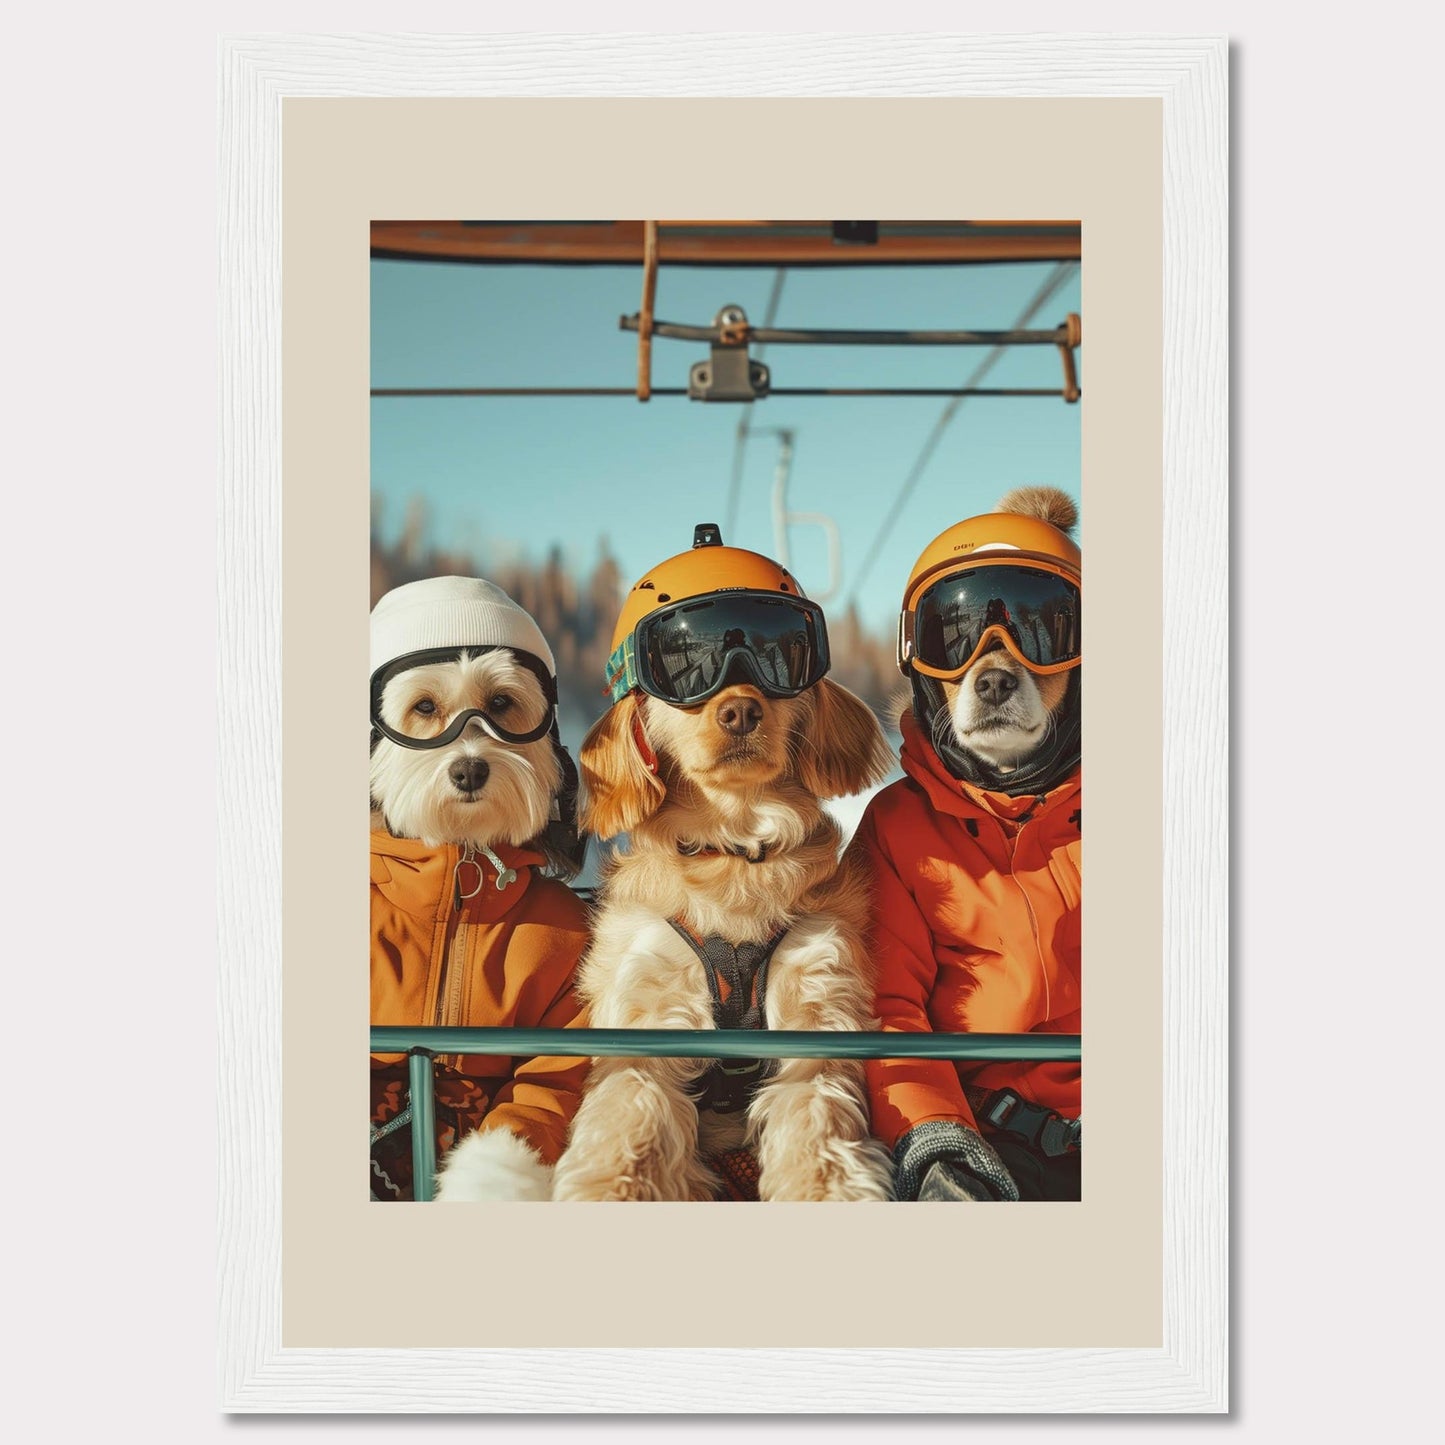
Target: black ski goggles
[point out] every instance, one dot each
(685, 653)
(459, 724)
(1031, 611)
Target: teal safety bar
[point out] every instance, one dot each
(725, 1044)
(422, 1043)
(423, 1125)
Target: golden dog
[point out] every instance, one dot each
(720, 803)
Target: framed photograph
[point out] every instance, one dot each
(395, 345)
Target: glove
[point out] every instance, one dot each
(948, 1182)
(945, 1160)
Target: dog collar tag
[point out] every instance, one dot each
(505, 875)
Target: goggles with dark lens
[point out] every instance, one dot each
(1031, 611)
(459, 724)
(685, 653)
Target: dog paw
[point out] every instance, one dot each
(630, 1179)
(841, 1169)
(493, 1164)
(634, 1137)
(578, 1186)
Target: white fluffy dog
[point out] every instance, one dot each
(477, 790)
(466, 772)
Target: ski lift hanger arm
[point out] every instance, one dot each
(731, 374)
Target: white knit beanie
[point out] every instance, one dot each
(451, 612)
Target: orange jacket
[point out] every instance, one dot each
(975, 929)
(504, 958)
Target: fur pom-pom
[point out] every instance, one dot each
(1048, 504)
(493, 1164)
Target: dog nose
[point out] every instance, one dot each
(996, 686)
(468, 774)
(740, 715)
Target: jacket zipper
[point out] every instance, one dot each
(1012, 847)
(454, 954)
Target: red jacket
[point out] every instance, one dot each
(975, 929)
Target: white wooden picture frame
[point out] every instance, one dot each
(1189, 1371)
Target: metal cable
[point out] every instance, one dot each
(740, 437)
(1062, 272)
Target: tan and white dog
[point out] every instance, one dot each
(1001, 711)
(729, 850)
(975, 858)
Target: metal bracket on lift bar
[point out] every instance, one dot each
(732, 375)
(729, 374)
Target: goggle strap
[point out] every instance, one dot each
(622, 670)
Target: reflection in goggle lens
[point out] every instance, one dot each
(688, 651)
(1040, 613)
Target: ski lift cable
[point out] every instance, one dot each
(740, 437)
(1063, 272)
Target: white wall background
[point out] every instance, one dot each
(107, 349)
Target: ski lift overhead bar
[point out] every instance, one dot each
(729, 243)
(731, 374)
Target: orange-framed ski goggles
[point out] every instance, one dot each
(1032, 610)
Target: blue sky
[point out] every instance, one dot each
(501, 475)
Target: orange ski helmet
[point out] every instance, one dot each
(690, 619)
(1018, 557)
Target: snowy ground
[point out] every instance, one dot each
(849, 811)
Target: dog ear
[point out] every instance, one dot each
(841, 749)
(619, 790)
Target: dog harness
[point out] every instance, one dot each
(737, 979)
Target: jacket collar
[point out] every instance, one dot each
(419, 877)
(962, 799)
